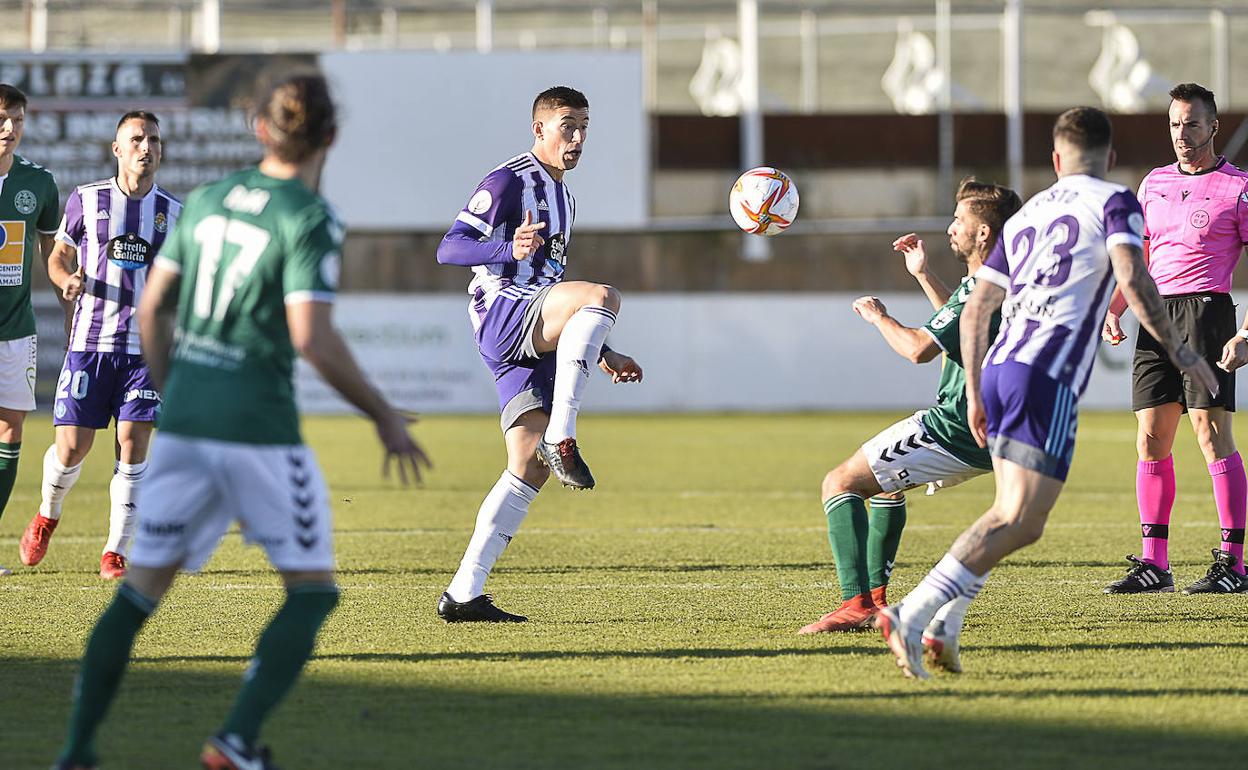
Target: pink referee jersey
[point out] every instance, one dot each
(1197, 226)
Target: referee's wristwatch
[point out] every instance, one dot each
(1242, 333)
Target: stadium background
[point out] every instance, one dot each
(875, 109)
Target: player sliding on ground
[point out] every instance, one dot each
(933, 447)
(247, 279)
(538, 334)
(1053, 269)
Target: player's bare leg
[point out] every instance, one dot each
(498, 521)
(131, 444)
(844, 492)
(62, 465)
(1015, 520)
(576, 318)
(1230, 493)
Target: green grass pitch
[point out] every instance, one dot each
(663, 606)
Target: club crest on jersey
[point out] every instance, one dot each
(25, 202)
(557, 249)
(129, 252)
(1200, 218)
(160, 223)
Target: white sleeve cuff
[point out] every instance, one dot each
(993, 276)
(297, 297)
(935, 339)
(164, 263)
(1124, 239)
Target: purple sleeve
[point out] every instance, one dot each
(463, 246)
(996, 269)
(471, 239)
(71, 229)
(1124, 220)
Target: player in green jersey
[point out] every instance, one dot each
(29, 213)
(245, 281)
(934, 446)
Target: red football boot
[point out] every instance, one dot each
(877, 596)
(34, 544)
(112, 565)
(853, 614)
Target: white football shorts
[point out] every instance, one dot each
(195, 488)
(17, 373)
(904, 456)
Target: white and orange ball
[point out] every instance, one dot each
(763, 201)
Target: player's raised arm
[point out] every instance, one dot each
(915, 253)
(914, 345)
(1141, 294)
(479, 234)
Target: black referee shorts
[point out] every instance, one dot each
(1205, 322)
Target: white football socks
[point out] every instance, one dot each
(580, 345)
(123, 493)
(948, 580)
(501, 513)
(952, 615)
(57, 481)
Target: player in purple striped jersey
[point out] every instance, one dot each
(112, 229)
(537, 333)
(1052, 272)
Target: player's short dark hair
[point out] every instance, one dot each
(144, 115)
(991, 203)
(1086, 128)
(300, 114)
(1194, 92)
(12, 96)
(559, 96)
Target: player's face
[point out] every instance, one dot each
(12, 122)
(561, 136)
(1191, 129)
(962, 231)
(138, 147)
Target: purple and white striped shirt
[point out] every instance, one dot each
(1053, 259)
(481, 235)
(117, 238)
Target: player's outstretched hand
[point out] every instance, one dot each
(72, 289)
(1111, 332)
(870, 308)
(526, 240)
(1234, 354)
(977, 419)
(916, 254)
(622, 368)
(401, 448)
(1195, 366)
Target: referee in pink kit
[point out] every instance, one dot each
(1196, 226)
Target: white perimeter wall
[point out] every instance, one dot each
(420, 130)
(700, 352)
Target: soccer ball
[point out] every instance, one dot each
(763, 201)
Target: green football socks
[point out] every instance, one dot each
(888, 519)
(847, 532)
(9, 454)
(103, 663)
(280, 654)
